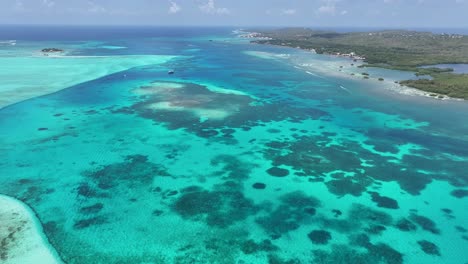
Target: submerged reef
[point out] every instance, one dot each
(359, 218)
(221, 207)
(405, 225)
(384, 201)
(251, 247)
(134, 171)
(232, 168)
(294, 209)
(354, 186)
(319, 236)
(205, 110)
(278, 172)
(317, 156)
(259, 186)
(375, 253)
(459, 193)
(425, 223)
(429, 247)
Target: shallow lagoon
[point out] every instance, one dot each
(238, 158)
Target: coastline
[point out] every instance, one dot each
(22, 236)
(399, 50)
(338, 71)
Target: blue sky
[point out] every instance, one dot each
(320, 13)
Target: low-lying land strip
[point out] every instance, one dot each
(392, 49)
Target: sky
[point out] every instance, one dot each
(311, 13)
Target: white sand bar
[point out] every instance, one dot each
(21, 235)
(27, 77)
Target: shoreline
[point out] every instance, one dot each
(396, 87)
(22, 235)
(370, 46)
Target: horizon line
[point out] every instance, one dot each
(235, 26)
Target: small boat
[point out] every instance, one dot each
(171, 72)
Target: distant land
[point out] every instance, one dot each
(392, 49)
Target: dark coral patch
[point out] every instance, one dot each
(314, 155)
(232, 167)
(157, 212)
(134, 171)
(384, 201)
(461, 229)
(89, 222)
(459, 193)
(361, 240)
(348, 185)
(87, 191)
(92, 209)
(310, 210)
(319, 237)
(309, 155)
(429, 247)
(385, 253)
(295, 208)
(337, 212)
(259, 186)
(186, 101)
(360, 217)
(192, 188)
(220, 208)
(375, 229)
(278, 172)
(365, 214)
(425, 223)
(228, 131)
(383, 145)
(207, 133)
(274, 131)
(378, 253)
(251, 247)
(446, 210)
(405, 225)
(274, 259)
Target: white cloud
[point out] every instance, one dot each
(95, 8)
(289, 12)
(329, 9)
(344, 12)
(48, 3)
(18, 6)
(210, 8)
(174, 7)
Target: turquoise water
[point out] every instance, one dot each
(237, 159)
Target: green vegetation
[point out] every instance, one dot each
(392, 49)
(453, 85)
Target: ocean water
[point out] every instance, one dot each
(247, 154)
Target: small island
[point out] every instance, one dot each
(51, 50)
(391, 49)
